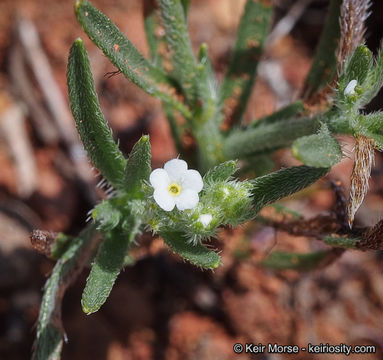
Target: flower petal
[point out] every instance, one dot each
(188, 199)
(176, 169)
(164, 200)
(159, 179)
(350, 88)
(205, 219)
(192, 180)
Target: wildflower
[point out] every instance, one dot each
(350, 88)
(175, 185)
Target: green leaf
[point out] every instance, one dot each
(91, 125)
(106, 267)
(280, 260)
(106, 215)
(342, 241)
(287, 112)
(196, 254)
(185, 5)
(277, 185)
(374, 80)
(138, 166)
(60, 245)
(122, 53)
(177, 37)
(323, 68)
(175, 128)
(373, 122)
(221, 172)
(356, 67)
(151, 23)
(239, 79)
(50, 332)
(207, 88)
(247, 142)
(371, 126)
(319, 150)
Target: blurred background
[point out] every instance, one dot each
(163, 308)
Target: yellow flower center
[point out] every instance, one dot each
(174, 189)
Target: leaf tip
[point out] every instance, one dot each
(77, 5)
(78, 41)
(86, 309)
(144, 138)
(216, 264)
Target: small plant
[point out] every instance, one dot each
(186, 207)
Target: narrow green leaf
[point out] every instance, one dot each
(185, 5)
(277, 185)
(374, 80)
(60, 245)
(151, 23)
(323, 68)
(122, 53)
(196, 254)
(221, 172)
(287, 112)
(106, 215)
(238, 81)
(50, 332)
(357, 67)
(106, 267)
(373, 122)
(246, 142)
(91, 125)
(138, 166)
(319, 150)
(280, 260)
(176, 129)
(177, 37)
(342, 241)
(207, 88)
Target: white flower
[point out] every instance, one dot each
(205, 219)
(175, 185)
(350, 88)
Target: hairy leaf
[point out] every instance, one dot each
(239, 79)
(177, 37)
(319, 150)
(374, 80)
(323, 68)
(251, 141)
(277, 185)
(123, 54)
(207, 88)
(287, 112)
(196, 254)
(280, 260)
(138, 166)
(221, 172)
(357, 67)
(91, 125)
(106, 267)
(341, 241)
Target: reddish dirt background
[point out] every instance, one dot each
(163, 308)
